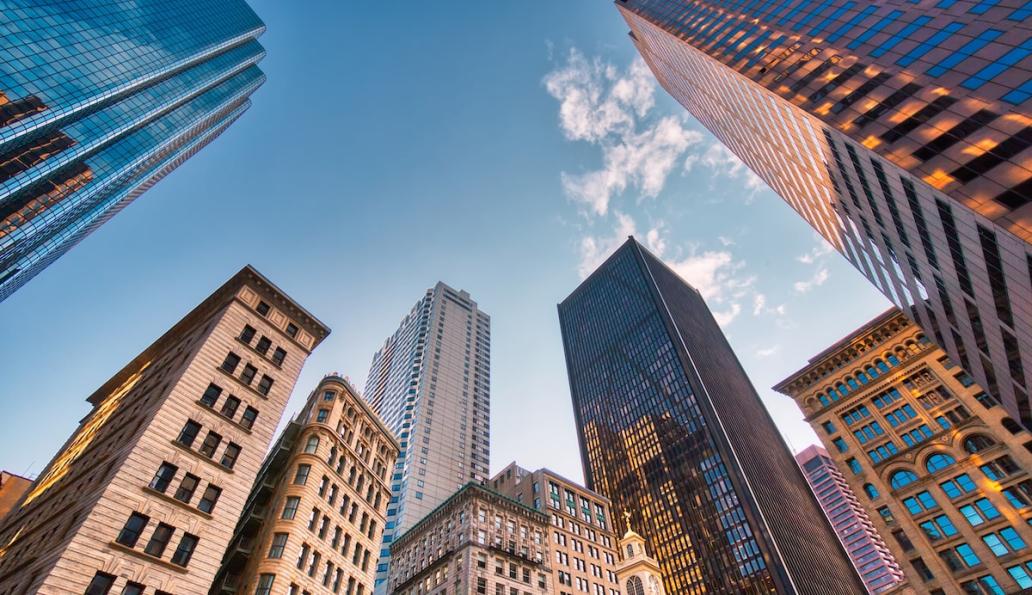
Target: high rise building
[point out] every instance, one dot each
(673, 432)
(99, 103)
(940, 467)
(315, 517)
(476, 541)
(900, 130)
(143, 497)
(430, 384)
(871, 557)
(583, 542)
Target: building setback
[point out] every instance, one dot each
(583, 542)
(900, 131)
(315, 517)
(871, 557)
(144, 495)
(940, 467)
(99, 103)
(430, 384)
(674, 433)
(476, 541)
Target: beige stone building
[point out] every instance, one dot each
(583, 540)
(476, 541)
(11, 489)
(144, 496)
(315, 518)
(941, 468)
(637, 571)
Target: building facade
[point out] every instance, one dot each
(144, 495)
(476, 541)
(583, 541)
(899, 130)
(314, 520)
(11, 489)
(430, 383)
(638, 572)
(674, 433)
(942, 469)
(98, 104)
(865, 546)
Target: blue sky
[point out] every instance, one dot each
(501, 147)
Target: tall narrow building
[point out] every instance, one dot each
(673, 432)
(901, 130)
(430, 383)
(314, 520)
(871, 557)
(145, 494)
(98, 103)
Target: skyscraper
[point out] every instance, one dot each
(98, 103)
(673, 432)
(872, 558)
(430, 383)
(144, 495)
(900, 130)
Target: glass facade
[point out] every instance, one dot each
(674, 433)
(900, 131)
(100, 100)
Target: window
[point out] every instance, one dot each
(301, 475)
(263, 345)
(292, 329)
(231, 362)
(920, 502)
(189, 433)
(840, 444)
(999, 65)
(249, 417)
(279, 543)
(979, 511)
(211, 442)
(966, 51)
(290, 507)
(1000, 468)
(902, 478)
(132, 588)
(1004, 542)
(265, 385)
(322, 415)
(939, 461)
(922, 569)
(958, 486)
(102, 583)
(209, 499)
(978, 442)
(938, 528)
(278, 356)
(132, 529)
(1020, 575)
(263, 308)
(229, 456)
(186, 488)
(211, 395)
(829, 427)
(185, 550)
(163, 477)
(248, 374)
(312, 445)
(854, 465)
(230, 406)
(265, 582)
(247, 334)
(159, 540)
(871, 491)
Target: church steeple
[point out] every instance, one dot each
(638, 572)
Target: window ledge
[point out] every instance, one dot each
(223, 417)
(241, 383)
(264, 356)
(200, 456)
(149, 558)
(151, 491)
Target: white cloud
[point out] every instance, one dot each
(818, 279)
(760, 306)
(822, 249)
(722, 163)
(725, 241)
(727, 316)
(767, 351)
(595, 250)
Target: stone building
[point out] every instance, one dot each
(476, 541)
(940, 466)
(144, 495)
(583, 541)
(11, 489)
(638, 572)
(315, 518)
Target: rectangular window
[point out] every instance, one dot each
(929, 44)
(290, 507)
(209, 499)
(265, 385)
(301, 475)
(163, 477)
(265, 582)
(263, 345)
(278, 356)
(231, 362)
(185, 550)
(189, 433)
(279, 543)
(248, 374)
(248, 418)
(1001, 64)
(323, 415)
(966, 51)
(211, 442)
(263, 308)
(132, 529)
(247, 334)
(159, 540)
(292, 329)
(229, 456)
(186, 488)
(229, 408)
(211, 395)
(100, 584)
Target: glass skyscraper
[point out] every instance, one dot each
(98, 101)
(673, 432)
(900, 130)
(430, 383)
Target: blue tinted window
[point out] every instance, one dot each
(1022, 13)
(932, 42)
(983, 6)
(875, 29)
(946, 3)
(785, 4)
(1020, 94)
(810, 15)
(902, 34)
(752, 45)
(853, 22)
(965, 52)
(1003, 63)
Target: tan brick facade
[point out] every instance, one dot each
(315, 517)
(146, 492)
(941, 468)
(12, 487)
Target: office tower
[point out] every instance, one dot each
(144, 495)
(476, 541)
(901, 131)
(315, 517)
(430, 383)
(98, 103)
(637, 568)
(673, 432)
(11, 489)
(866, 548)
(583, 541)
(939, 466)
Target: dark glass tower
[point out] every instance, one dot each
(673, 432)
(98, 101)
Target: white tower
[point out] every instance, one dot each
(638, 572)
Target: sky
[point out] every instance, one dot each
(501, 147)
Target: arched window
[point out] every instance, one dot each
(872, 373)
(923, 340)
(312, 445)
(823, 398)
(902, 478)
(841, 390)
(977, 442)
(882, 367)
(852, 383)
(938, 462)
(630, 550)
(1010, 425)
(862, 377)
(634, 586)
(893, 360)
(871, 491)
